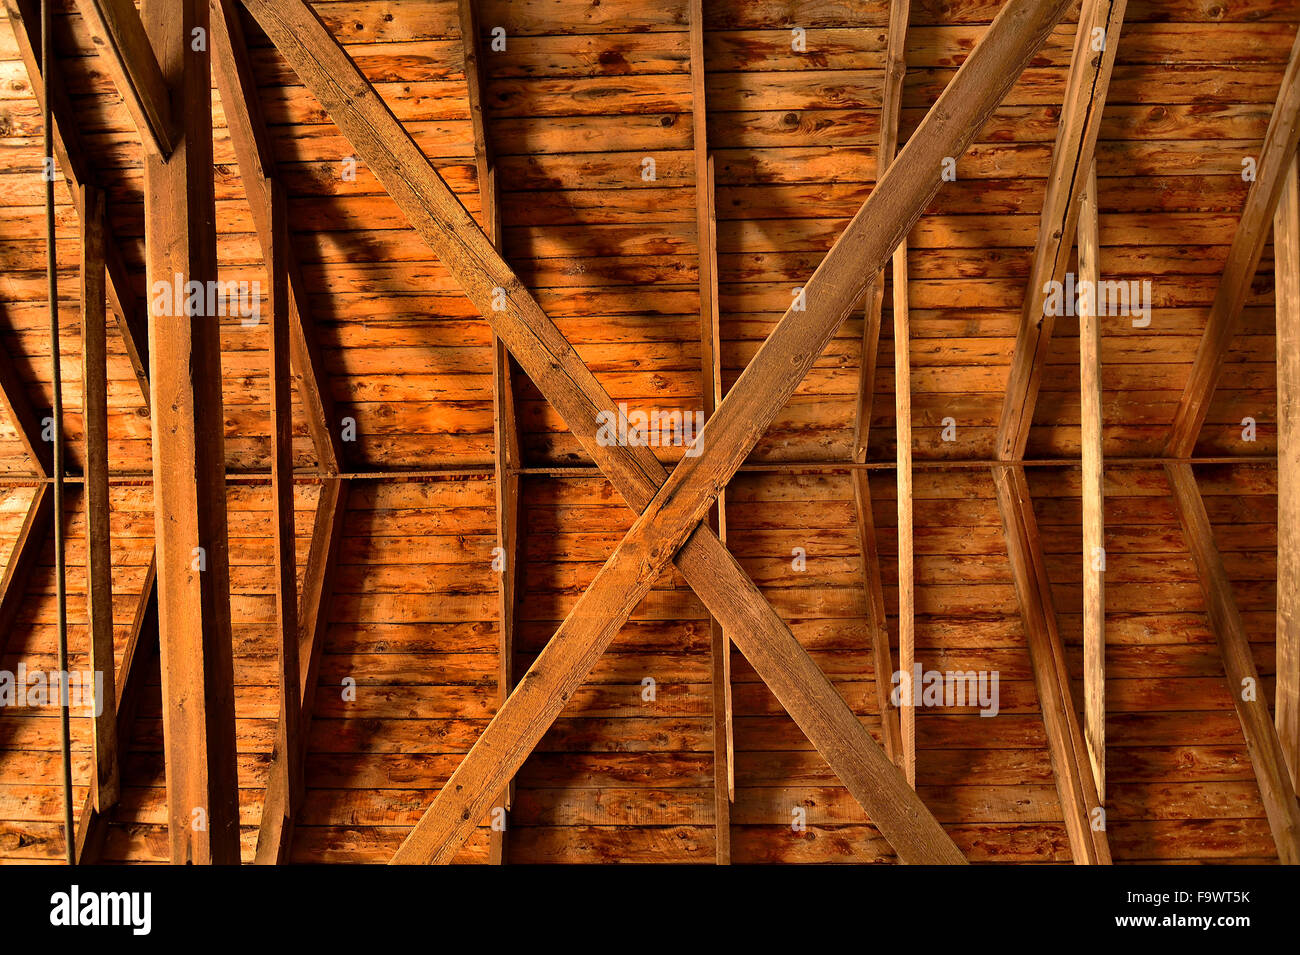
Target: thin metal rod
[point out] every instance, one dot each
(52, 279)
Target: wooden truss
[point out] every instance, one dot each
(680, 515)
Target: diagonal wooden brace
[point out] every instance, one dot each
(668, 527)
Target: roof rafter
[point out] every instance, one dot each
(1266, 756)
(129, 683)
(1070, 766)
(1243, 259)
(117, 30)
(257, 166)
(1286, 272)
(1076, 141)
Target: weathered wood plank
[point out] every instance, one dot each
(275, 834)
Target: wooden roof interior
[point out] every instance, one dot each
(583, 94)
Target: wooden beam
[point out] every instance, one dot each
(131, 678)
(117, 31)
(285, 543)
(132, 322)
(899, 13)
(892, 718)
(1084, 820)
(508, 454)
(1286, 277)
(1262, 742)
(1275, 159)
(275, 835)
(1094, 550)
(1076, 140)
(706, 228)
(189, 462)
(24, 558)
(258, 171)
(105, 780)
(1015, 36)
(673, 515)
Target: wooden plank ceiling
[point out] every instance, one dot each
(583, 132)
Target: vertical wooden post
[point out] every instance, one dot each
(99, 556)
(1094, 551)
(285, 549)
(189, 454)
(706, 227)
(1286, 275)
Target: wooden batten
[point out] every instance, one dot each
(1286, 271)
(706, 227)
(1094, 549)
(99, 551)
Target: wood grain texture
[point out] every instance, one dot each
(257, 165)
(128, 310)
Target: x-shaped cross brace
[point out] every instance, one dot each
(670, 506)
